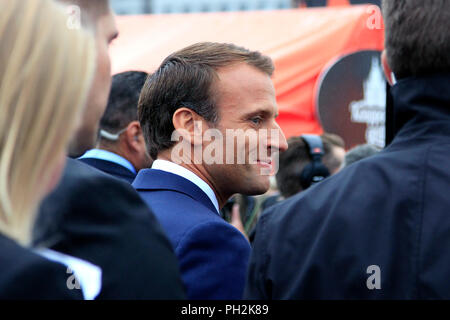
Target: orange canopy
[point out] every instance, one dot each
(300, 41)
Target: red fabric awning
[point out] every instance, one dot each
(300, 41)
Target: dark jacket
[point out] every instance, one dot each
(24, 275)
(213, 255)
(390, 211)
(102, 220)
(112, 168)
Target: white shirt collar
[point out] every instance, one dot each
(89, 275)
(174, 168)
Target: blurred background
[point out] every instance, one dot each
(186, 6)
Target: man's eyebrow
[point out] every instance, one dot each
(260, 112)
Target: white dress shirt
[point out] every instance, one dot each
(174, 168)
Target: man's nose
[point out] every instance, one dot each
(278, 140)
(283, 145)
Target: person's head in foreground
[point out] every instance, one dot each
(45, 75)
(96, 16)
(417, 41)
(213, 95)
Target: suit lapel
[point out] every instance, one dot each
(152, 179)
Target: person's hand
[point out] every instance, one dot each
(236, 220)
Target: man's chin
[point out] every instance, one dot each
(258, 187)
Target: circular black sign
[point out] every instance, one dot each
(351, 99)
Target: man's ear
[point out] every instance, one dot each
(133, 134)
(387, 68)
(189, 125)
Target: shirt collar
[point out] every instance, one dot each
(109, 156)
(174, 168)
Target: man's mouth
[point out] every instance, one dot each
(265, 163)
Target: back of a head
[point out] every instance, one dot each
(123, 100)
(45, 74)
(297, 157)
(186, 78)
(417, 36)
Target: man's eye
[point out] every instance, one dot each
(256, 120)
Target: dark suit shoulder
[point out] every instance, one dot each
(101, 219)
(178, 213)
(115, 170)
(26, 275)
(88, 196)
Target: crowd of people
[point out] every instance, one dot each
(167, 185)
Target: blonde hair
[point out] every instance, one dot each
(45, 74)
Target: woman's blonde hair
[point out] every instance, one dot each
(45, 74)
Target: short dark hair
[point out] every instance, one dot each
(123, 100)
(417, 36)
(186, 78)
(296, 157)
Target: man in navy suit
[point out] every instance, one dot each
(205, 91)
(121, 150)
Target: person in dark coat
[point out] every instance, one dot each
(98, 218)
(121, 150)
(380, 228)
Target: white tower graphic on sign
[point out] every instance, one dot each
(372, 109)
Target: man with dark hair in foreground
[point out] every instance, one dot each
(379, 229)
(101, 219)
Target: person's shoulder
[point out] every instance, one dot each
(78, 173)
(83, 182)
(180, 204)
(26, 275)
(87, 196)
(321, 200)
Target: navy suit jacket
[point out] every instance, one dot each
(213, 255)
(111, 168)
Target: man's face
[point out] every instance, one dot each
(246, 100)
(86, 134)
